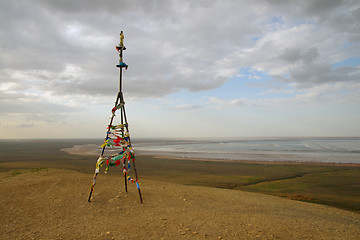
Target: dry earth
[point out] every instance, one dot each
(52, 204)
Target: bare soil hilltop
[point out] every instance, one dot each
(52, 204)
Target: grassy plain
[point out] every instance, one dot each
(332, 184)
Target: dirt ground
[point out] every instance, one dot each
(52, 204)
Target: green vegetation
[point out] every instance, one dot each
(339, 187)
(334, 185)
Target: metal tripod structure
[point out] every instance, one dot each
(117, 136)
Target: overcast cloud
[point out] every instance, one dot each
(57, 54)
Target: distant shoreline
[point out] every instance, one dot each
(254, 161)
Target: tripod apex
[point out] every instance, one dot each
(121, 44)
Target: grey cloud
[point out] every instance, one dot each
(339, 15)
(107, 6)
(172, 45)
(293, 55)
(308, 72)
(323, 7)
(317, 74)
(38, 39)
(310, 75)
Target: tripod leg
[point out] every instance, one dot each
(137, 183)
(92, 186)
(125, 180)
(138, 187)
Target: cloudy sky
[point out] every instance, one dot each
(197, 68)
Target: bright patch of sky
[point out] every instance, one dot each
(350, 62)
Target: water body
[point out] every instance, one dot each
(324, 150)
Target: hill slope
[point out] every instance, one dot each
(52, 204)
